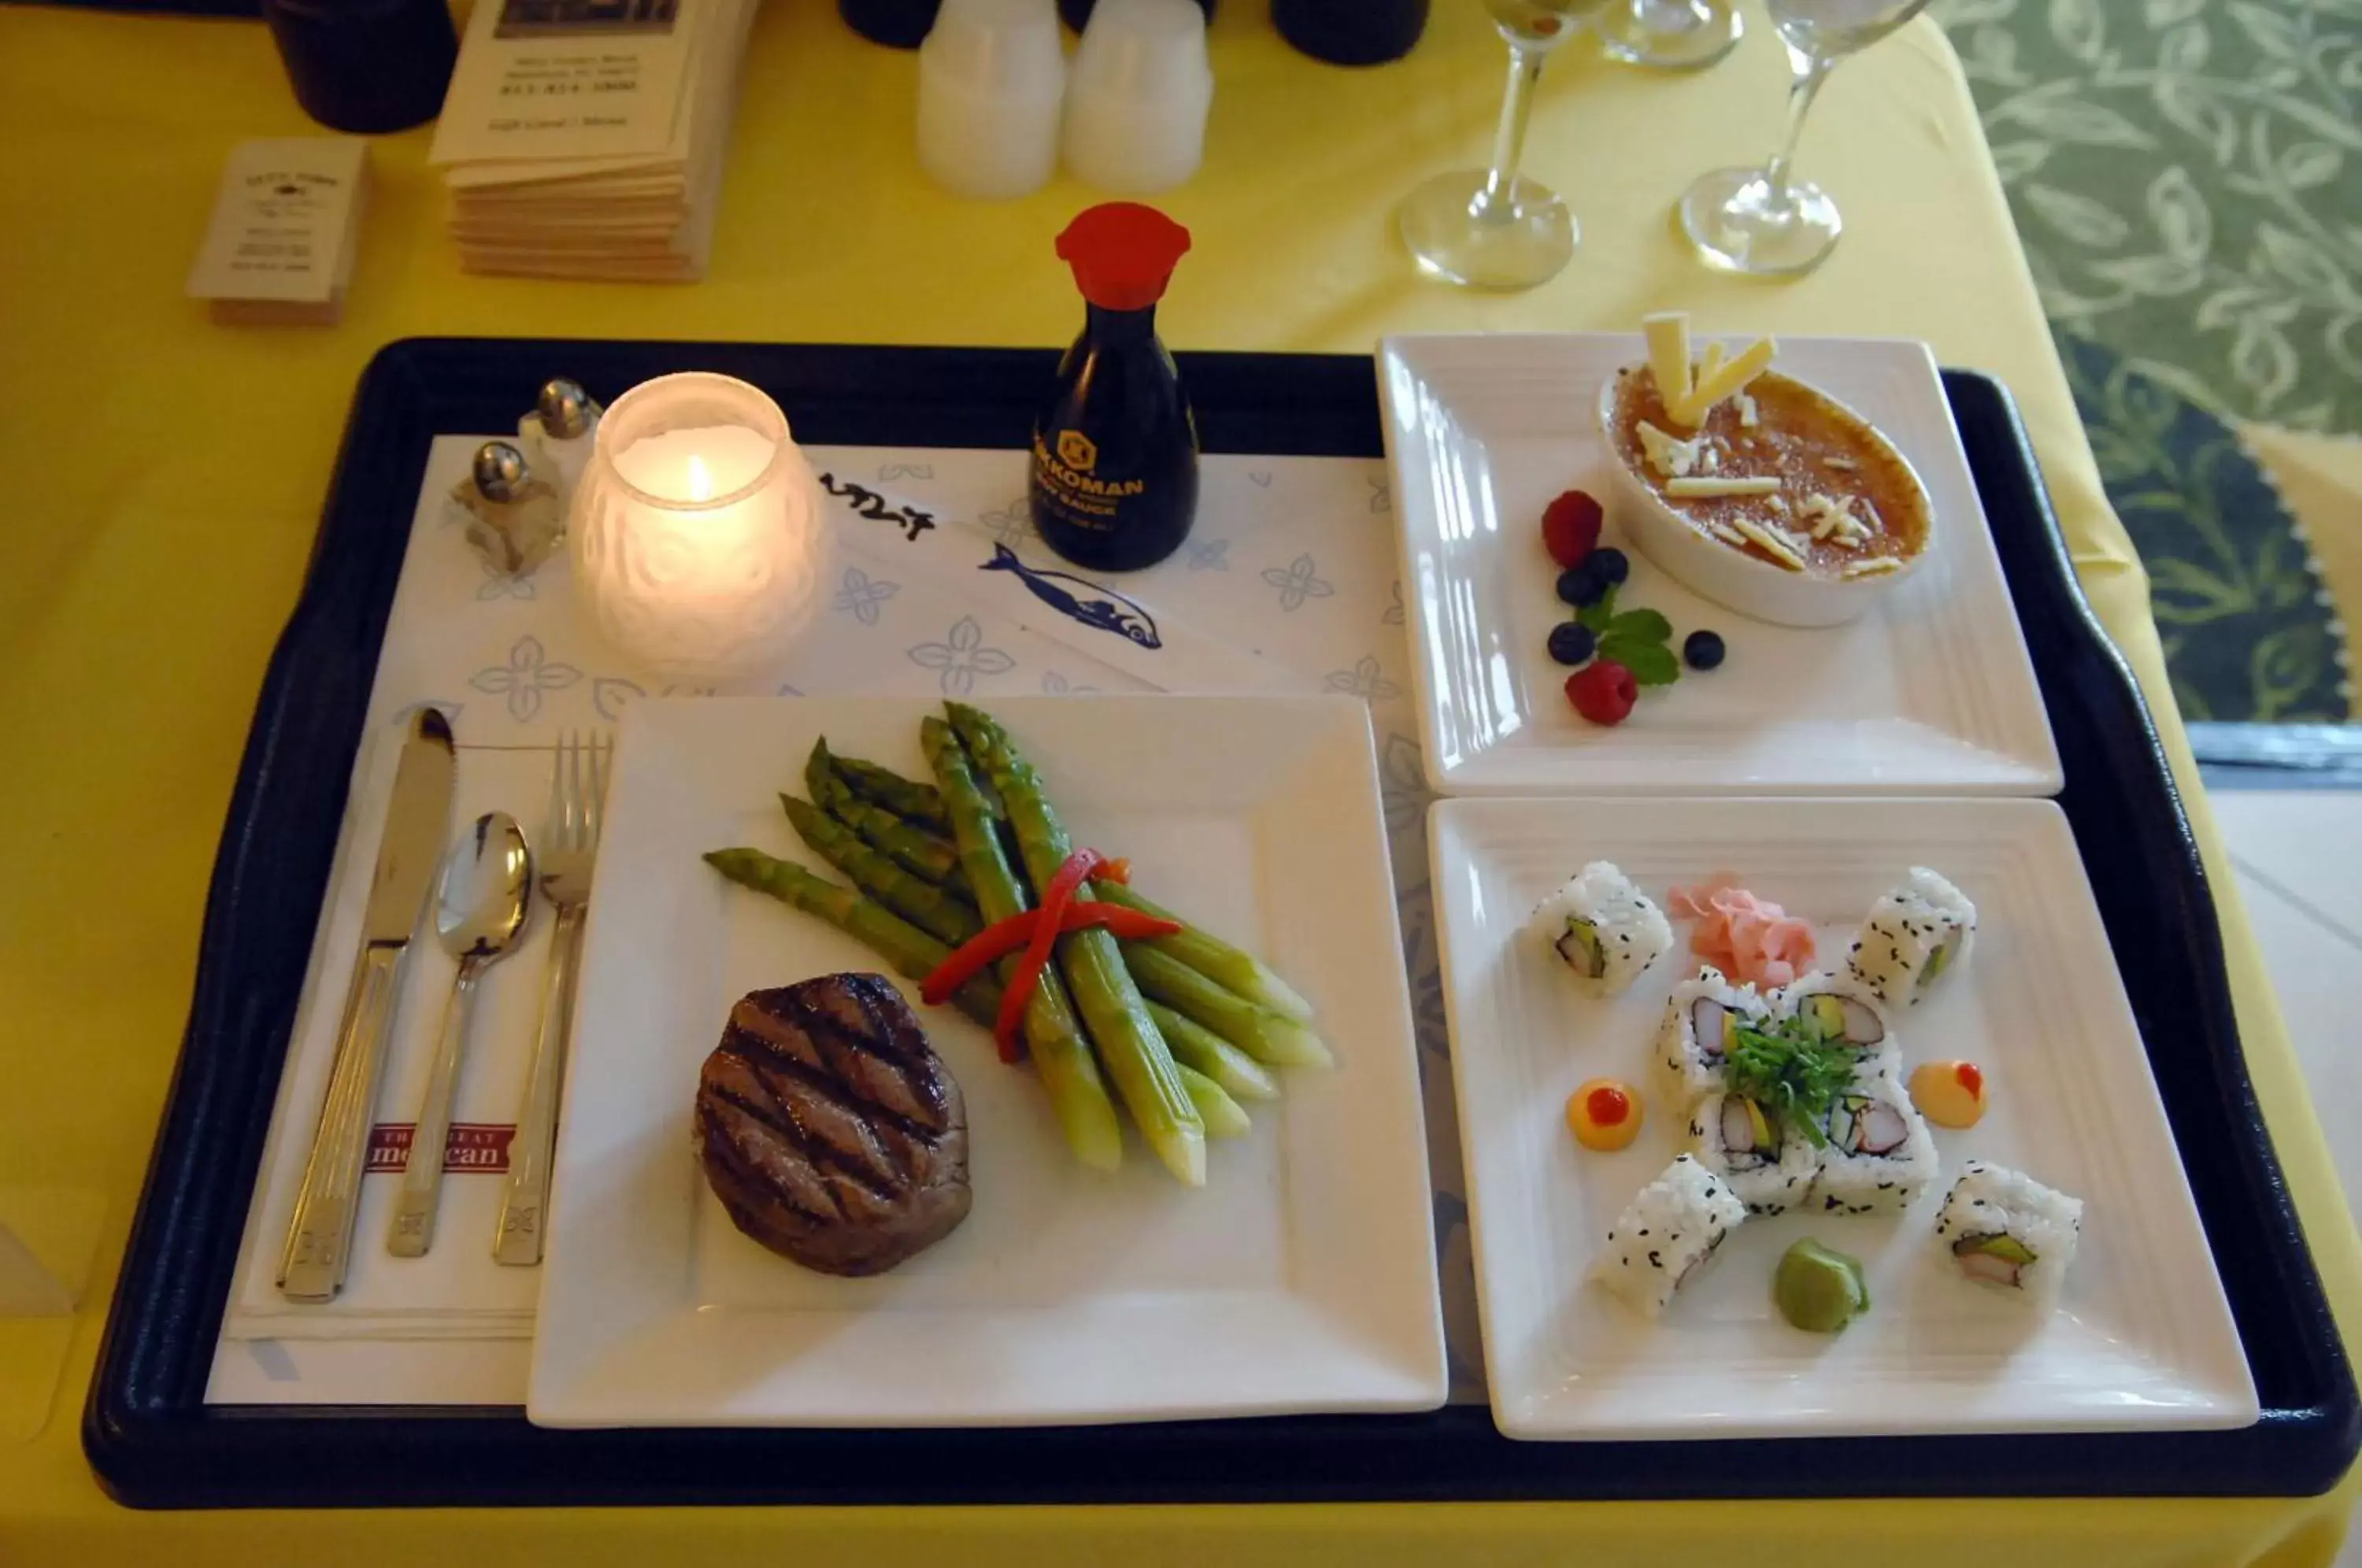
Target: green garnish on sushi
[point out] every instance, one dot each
(1788, 1068)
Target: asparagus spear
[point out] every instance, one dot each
(910, 951)
(1270, 1039)
(931, 907)
(1061, 1053)
(907, 798)
(1224, 1116)
(1196, 1046)
(914, 848)
(1128, 1039)
(1234, 967)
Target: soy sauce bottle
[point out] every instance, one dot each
(897, 24)
(1115, 451)
(1350, 32)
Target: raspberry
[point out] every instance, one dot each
(1603, 691)
(1571, 528)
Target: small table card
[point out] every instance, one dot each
(285, 227)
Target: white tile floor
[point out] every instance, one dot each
(2299, 857)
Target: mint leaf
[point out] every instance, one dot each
(1642, 626)
(1599, 613)
(1651, 664)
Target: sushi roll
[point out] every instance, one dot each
(1916, 934)
(1701, 1018)
(2006, 1230)
(1769, 1164)
(1879, 1158)
(1603, 928)
(1668, 1234)
(1840, 1009)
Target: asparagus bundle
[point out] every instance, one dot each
(1129, 1041)
(1232, 997)
(1060, 1052)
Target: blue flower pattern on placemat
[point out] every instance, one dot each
(1012, 524)
(1298, 581)
(1382, 495)
(1364, 681)
(498, 584)
(905, 470)
(528, 676)
(609, 694)
(961, 656)
(1054, 685)
(1394, 616)
(1210, 555)
(864, 595)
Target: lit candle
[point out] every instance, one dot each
(698, 542)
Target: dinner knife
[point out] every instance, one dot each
(417, 819)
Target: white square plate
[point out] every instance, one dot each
(1301, 1277)
(2142, 1337)
(1930, 693)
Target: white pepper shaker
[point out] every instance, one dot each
(1142, 86)
(992, 76)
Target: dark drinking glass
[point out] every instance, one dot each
(366, 66)
(1350, 32)
(897, 23)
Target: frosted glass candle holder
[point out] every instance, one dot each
(697, 536)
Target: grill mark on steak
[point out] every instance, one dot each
(829, 1128)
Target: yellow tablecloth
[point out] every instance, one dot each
(164, 476)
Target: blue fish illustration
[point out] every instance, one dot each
(1113, 613)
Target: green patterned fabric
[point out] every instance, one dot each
(2187, 178)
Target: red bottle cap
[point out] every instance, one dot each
(1122, 254)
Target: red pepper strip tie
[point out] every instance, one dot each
(1007, 1031)
(1001, 938)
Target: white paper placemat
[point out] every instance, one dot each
(1289, 582)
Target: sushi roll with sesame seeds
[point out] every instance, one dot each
(1878, 1157)
(1702, 1017)
(1768, 1162)
(1916, 934)
(1603, 928)
(2006, 1230)
(1669, 1233)
(1841, 1009)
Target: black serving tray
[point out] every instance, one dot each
(155, 1444)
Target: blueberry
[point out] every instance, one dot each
(1701, 650)
(1571, 642)
(1612, 565)
(1578, 585)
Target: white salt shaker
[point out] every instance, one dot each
(991, 77)
(1136, 109)
(558, 435)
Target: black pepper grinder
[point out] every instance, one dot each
(1115, 452)
(366, 66)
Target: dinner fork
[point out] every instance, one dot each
(577, 792)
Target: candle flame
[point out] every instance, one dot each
(700, 482)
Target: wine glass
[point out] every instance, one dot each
(1492, 228)
(1671, 35)
(1761, 221)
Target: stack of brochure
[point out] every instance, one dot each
(586, 139)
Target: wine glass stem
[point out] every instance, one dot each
(1495, 203)
(1811, 71)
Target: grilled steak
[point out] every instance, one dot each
(829, 1129)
